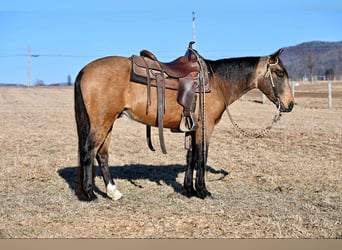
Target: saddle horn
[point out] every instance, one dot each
(190, 44)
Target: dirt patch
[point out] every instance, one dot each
(286, 185)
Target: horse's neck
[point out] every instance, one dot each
(244, 89)
(233, 81)
(233, 91)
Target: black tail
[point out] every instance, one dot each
(85, 146)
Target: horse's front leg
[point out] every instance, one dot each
(190, 162)
(202, 155)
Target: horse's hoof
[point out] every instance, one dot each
(113, 193)
(189, 192)
(90, 197)
(202, 194)
(95, 200)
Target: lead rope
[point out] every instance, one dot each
(265, 130)
(259, 134)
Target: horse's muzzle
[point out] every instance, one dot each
(289, 107)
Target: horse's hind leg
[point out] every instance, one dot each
(102, 159)
(86, 170)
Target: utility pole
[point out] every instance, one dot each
(28, 66)
(193, 28)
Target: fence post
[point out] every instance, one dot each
(329, 95)
(293, 88)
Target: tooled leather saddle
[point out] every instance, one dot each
(187, 75)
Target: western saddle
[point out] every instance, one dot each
(187, 75)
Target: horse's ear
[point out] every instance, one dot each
(274, 58)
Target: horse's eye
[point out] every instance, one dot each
(279, 73)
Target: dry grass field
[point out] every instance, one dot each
(285, 185)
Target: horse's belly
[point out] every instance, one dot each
(170, 120)
(140, 111)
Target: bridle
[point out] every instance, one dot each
(277, 115)
(268, 74)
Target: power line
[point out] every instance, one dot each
(49, 55)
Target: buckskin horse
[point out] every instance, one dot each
(104, 91)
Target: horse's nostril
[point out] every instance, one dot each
(290, 106)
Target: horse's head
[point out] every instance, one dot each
(273, 81)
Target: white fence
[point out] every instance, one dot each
(293, 86)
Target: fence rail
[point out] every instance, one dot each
(319, 89)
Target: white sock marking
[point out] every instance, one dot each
(112, 192)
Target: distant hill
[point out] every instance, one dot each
(317, 60)
(11, 85)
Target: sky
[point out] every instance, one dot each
(64, 36)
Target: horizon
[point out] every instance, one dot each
(66, 82)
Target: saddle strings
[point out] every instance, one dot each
(201, 80)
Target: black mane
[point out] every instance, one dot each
(233, 70)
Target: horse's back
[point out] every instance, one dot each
(103, 84)
(106, 70)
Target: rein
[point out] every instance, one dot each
(276, 117)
